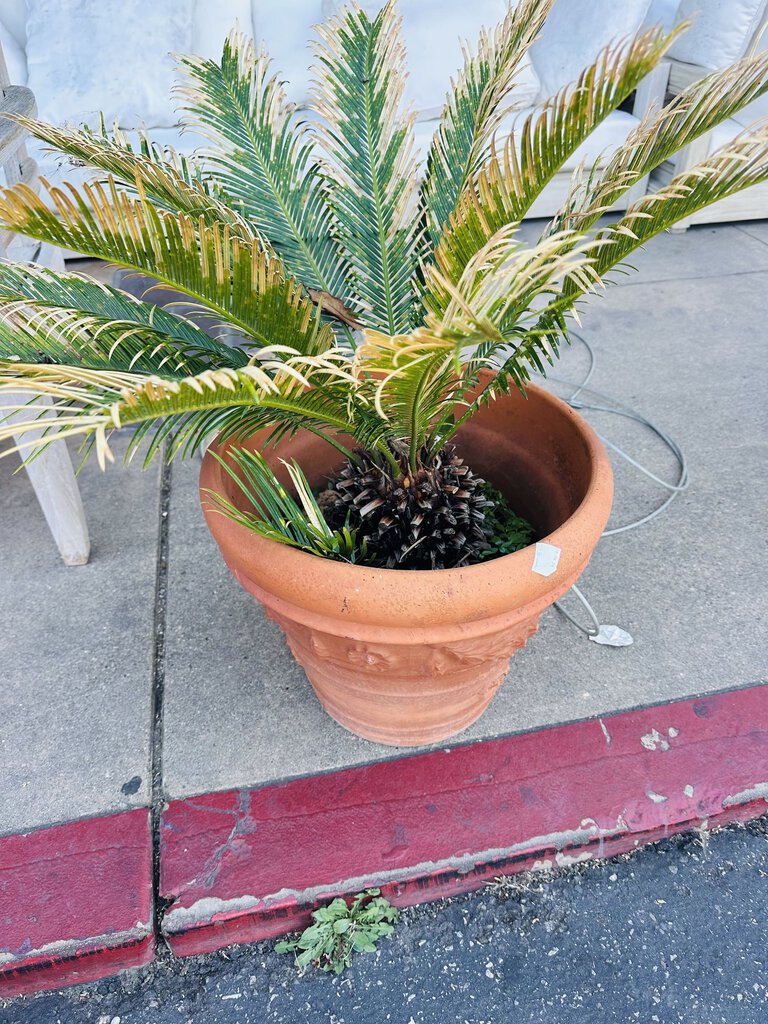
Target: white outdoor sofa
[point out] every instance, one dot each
(721, 33)
(79, 56)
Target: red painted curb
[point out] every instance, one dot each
(75, 902)
(249, 864)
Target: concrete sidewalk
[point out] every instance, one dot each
(153, 687)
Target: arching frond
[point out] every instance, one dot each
(236, 281)
(169, 180)
(475, 108)
(661, 134)
(369, 144)
(66, 318)
(508, 184)
(181, 411)
(738, 165)
(261, 156)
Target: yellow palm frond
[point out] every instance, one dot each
(235, 280)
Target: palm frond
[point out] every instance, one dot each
(275, 514)
(740, 164)
(475, 108)
(66, 318)
(234, 280)
(413, 378)
(503, 280)
(661, 134)
(262, 157)
(91, 403)
(370, 146)
(169, 180)
(507, 185)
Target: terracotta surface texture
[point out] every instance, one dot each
(412, 657)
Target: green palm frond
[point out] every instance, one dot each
(261, 156)
(67, 318)
(475, 108)
(169, 180)
(91, 403)
(661, 134)
(276, 515)
(369, 144)
(506, 187)
(235, 281)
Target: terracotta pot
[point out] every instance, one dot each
(412, 657)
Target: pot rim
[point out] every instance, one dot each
(497, 583)
(212, 472)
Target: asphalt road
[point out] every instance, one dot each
(676, 933)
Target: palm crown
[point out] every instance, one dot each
(359, 299)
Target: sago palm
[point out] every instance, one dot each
(359, 298)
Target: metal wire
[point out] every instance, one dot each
(619, 409)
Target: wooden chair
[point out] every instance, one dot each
(51, 473)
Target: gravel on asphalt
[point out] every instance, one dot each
(677, 932)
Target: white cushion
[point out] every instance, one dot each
(721, 31)
(15, 59)
(87, 56)
(433, 31)
(576, 31)
(214, 20)
(662, 12)
(286, 34)
(607, 137)
(13, 14)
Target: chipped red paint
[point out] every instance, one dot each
(423, 826)
(86, 886)
(447, 820)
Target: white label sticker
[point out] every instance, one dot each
(546, 558)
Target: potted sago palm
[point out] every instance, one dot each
(382, 325)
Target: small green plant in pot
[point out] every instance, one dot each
(382, 326)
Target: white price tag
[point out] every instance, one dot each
(545, 559)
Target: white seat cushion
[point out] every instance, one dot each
(721, 32)
(576, 31)
(15, 58)
(662, 12)
(87, 56)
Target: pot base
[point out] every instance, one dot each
(368, 688)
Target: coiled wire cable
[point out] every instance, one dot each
(618, 408)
